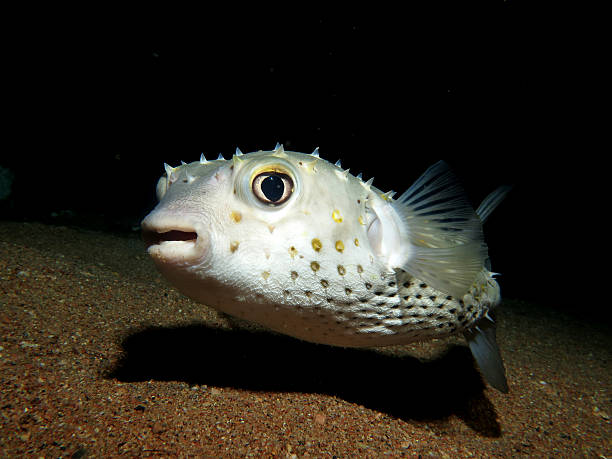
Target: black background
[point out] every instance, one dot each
(97, 100)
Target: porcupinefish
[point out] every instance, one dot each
(295, 243)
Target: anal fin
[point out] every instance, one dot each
(483, 345)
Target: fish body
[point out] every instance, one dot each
(301, 246)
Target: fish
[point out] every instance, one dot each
(297, 244)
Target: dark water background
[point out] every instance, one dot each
(98, 100)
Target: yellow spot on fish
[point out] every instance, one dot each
(361, 220)
(292, 251)
(234, 246)
(336, 216)
(324, 283)
(341, 270)
(271, 228)
(356, 242)
(359, 269)
(236, 216)
(265, 275)
(316, 244)
(294, 275)
(339, 246)
(314, 266)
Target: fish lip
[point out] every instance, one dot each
(172, 242)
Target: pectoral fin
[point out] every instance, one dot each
(442, 241)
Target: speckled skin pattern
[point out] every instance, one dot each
(305, 268)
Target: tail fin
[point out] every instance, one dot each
(483, 345)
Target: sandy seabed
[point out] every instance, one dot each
(100, 357)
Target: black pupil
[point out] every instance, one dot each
(273, 187)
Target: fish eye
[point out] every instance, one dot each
(272, 188)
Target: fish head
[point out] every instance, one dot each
(270, 236)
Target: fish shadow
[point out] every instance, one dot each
(404, 387)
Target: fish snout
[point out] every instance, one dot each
(172, 241)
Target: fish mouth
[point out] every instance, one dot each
(172, 243)
(152, 238)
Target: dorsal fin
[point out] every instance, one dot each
(489, 203)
